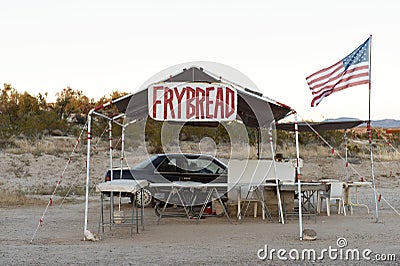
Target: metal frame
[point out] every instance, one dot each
(111, 120)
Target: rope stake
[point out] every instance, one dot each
(50, 203)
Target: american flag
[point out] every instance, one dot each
(351, 71)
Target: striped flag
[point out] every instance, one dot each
(351, 71)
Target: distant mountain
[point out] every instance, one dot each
(341, 119)
(386, 123)
(383, 123)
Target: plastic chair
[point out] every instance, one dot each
(335, 193)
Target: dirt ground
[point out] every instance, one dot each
(178, 240)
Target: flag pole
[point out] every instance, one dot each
(370, 132)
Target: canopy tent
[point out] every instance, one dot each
(317, 127)
(252, 108)
(320, 126)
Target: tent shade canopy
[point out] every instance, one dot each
(250, 106)
(253, 109)
(320, 126)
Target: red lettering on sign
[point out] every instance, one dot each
(155, 101)
(192, 101)
(209, 102)
(219, 104)
(200, 103)
(190, 107)
(168, 97)
(179, 96)
(229, 93)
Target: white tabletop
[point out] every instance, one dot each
(121, 185)
(188, 184)
(255, 185)
(358, 184)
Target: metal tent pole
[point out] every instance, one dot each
(89, 137)
(122, 148)
(372, 171)
(111, 147)
(370, 132)
(347, 162)
(296, 130)
(278, 194)
(258, 143)
(122, 154)
(111, 170)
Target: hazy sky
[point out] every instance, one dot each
(101, 46)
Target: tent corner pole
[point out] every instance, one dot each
(110, 139)
(296, 130)
(258, 143)
(122, 148)
(370, 131)
(346, 156)
(278, 194)
(89, 137)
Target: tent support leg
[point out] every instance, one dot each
(372, 171)
(346, 155)
(276, 176)
(89, 137)
(111, 173)
(296, 130)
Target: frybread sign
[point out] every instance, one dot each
(192, 102)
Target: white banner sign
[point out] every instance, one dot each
(192, 102)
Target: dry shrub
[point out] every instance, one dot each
(7, 143)
(50, 145)
(17, 198)
(381, 152)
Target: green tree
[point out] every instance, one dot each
(9, 104)
(71, 101)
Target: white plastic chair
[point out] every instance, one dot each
(335, 193)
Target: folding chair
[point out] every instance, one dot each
(335, 193)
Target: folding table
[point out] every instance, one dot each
(123, 186)
(308, 190)
(178, 187)
(347, 196)
(253, 190)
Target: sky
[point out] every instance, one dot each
(101, 46)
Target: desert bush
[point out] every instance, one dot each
(16, 198)
(353, 149)
(7, 144)
(49, 145)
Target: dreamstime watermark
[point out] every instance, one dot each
(338, 252)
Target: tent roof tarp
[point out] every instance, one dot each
(252, 107)
(320, 126)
